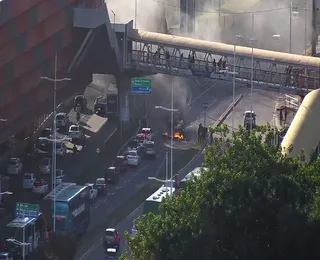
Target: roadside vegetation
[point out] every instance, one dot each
(252, 203)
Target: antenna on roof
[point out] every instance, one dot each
(58, 190)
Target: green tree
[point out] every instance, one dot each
(253, 203)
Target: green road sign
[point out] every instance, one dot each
(141, 86)
(27, 210)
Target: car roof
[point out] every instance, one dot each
(110, 229)
(248, 112)
(61, 114)
(146, 129)
(74, 126)
(149, 142)
(140, 134)
(14, 158)
(111, 168)
(100, 179)
(89, 184)
(121, 156)
(133, 150)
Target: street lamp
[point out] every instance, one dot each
(135, 13)
(292, 14)
(54, 146)
(252, 64)
(114, 19)
(171, 143)
(166, 182)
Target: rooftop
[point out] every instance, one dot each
(65, 191)
(160, 194)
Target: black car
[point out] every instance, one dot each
(101, 186)
(112, 174)
(100, 105)
(81, 102)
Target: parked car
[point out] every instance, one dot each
(133, 158)
(121, 163)
(45, 165)
(101, 186)
(62, 120)
(28, 181)
(75, 132)
(14, 166)
(59, 176)
(40, 187)
(93, 191)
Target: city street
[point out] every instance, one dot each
(264, 103)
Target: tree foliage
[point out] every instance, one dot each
(253, 203)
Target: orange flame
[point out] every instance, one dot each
(178, 136)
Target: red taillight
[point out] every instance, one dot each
(59, 219)
(50, 232)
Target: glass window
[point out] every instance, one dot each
(8, 72)
(21, 43)
(33, 16)
(38, 54)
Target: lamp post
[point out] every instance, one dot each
(233, 85)
(171, 143)
(292, 14)
(277, 38)
(54, 146)
(114, 20)
(135, 13)
(166, 182)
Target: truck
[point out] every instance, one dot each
(112, 105)
(178, 126)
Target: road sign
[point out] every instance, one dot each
(27, 210)
(141, 86)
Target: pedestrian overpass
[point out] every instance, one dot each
(145, 53)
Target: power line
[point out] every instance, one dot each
(223, 12)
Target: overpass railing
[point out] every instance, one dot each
(185, 67)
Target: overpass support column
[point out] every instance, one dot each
(129, 111)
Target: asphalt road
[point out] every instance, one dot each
(217, 96)
(264, 103)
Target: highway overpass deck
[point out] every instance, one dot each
(186, 57)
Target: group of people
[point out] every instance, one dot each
(155, 57)
(203, 133)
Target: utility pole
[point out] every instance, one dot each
(205, 107)
(314, 39)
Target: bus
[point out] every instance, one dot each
(152, 203)
(72, 207)
(23, 230)
(196, 172)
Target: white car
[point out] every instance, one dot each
(93, 191)
(133, 158)
(75, 132)
(28, 180)
(61, 149)
(40, 187)
(14, 166)
(59, 176)
(45, 166)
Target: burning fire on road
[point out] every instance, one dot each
(176, 135)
